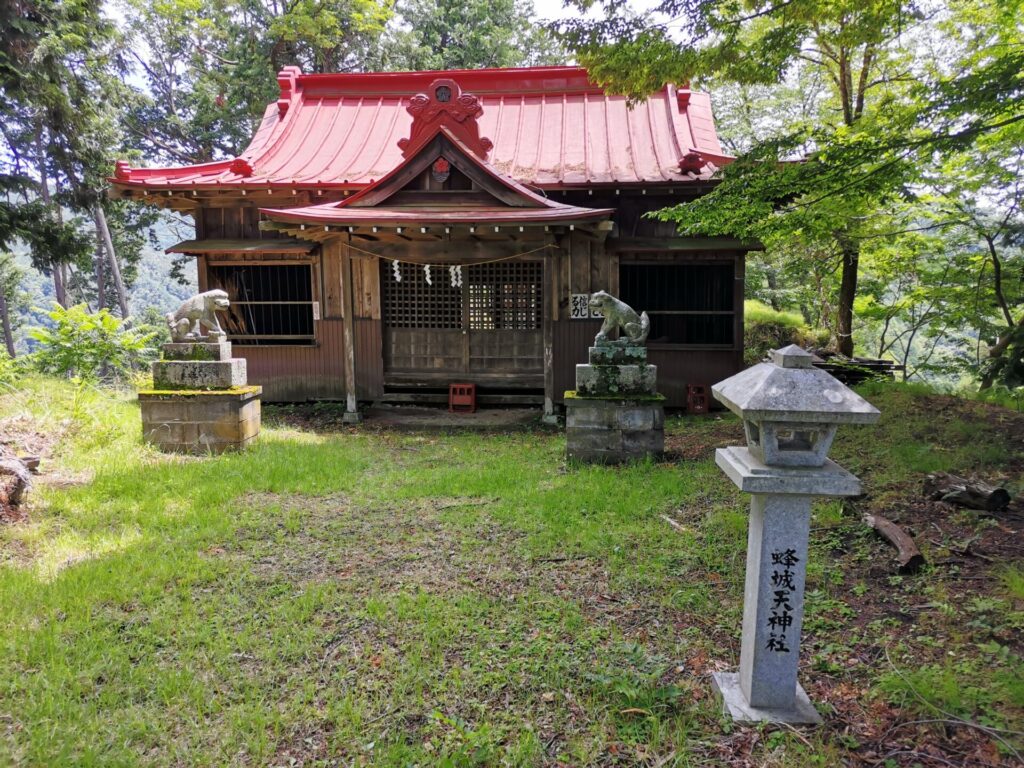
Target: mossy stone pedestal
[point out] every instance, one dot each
(615, 414)
(200, 402)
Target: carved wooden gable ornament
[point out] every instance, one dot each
(444, 104)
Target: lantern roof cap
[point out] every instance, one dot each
(789, 389)
(792, 357)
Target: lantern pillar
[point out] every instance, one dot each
(790, 413)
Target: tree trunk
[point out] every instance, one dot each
(5, 320)
(103, 232)
(996, 351)
(773, 287)
(847, 294)
(60, 291)
(1004, 340)
(59, 279)
(101, 276)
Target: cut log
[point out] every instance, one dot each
(908, 555)
(31, 463)
(974, 494)
(14, 481)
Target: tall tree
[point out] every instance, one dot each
(11, 300)
(210, 67)
(465, 34)
(61, 74)
(863, 151)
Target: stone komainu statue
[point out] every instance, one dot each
(196, 314)
(619, 315)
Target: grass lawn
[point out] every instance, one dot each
(342, 596)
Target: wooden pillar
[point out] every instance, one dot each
(550, 302)
(202, 277)
(739, 293)
(348, 332)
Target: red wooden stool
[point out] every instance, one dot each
(462, 398)
(696, 398)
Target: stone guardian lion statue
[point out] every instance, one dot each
(198, 313)
(619, 315)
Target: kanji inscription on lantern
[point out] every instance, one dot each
(781, 617)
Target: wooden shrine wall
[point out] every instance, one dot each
(583, 264)
(300, 372)
(367, 328)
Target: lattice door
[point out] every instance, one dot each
(506, 296)
(412, 303)
(488, 326)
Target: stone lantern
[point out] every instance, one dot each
(790, 410)
(790, 413)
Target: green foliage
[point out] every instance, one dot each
(455, 34)
(1013, 578)
(1008, 368)
(966, 689)
(8, 369)
(855, 119)
(90, 345)
(210, 68)
(765, 329)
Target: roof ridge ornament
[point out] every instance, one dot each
(692, 162)
(288, 82)
(445, 105)
(241, 167)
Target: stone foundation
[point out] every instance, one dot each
(611, 431)
(615, 414)
(199, 374)
(201, 423)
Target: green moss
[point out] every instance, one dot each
(234, 391)
(570, 394)
(197, 354)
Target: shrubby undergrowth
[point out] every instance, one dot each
(766, 329)
(94, 346)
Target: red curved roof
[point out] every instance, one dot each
(550, 126)
(360, 210)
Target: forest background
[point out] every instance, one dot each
(879, 147)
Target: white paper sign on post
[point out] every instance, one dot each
(579, 306)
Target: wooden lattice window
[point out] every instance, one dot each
(502, 296)
(270, 303)
(505, 296)
(689, 304)
(412, 303)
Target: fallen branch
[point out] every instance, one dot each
(908, 555)
(974, 494)
(678, 526)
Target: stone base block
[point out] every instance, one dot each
(616, 380)
(613, 431)
(734, 704)
(201, 422)
(199, 374)
(197, 350)
(352, 417)
(617, 355)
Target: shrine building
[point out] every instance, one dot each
(387, 234)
